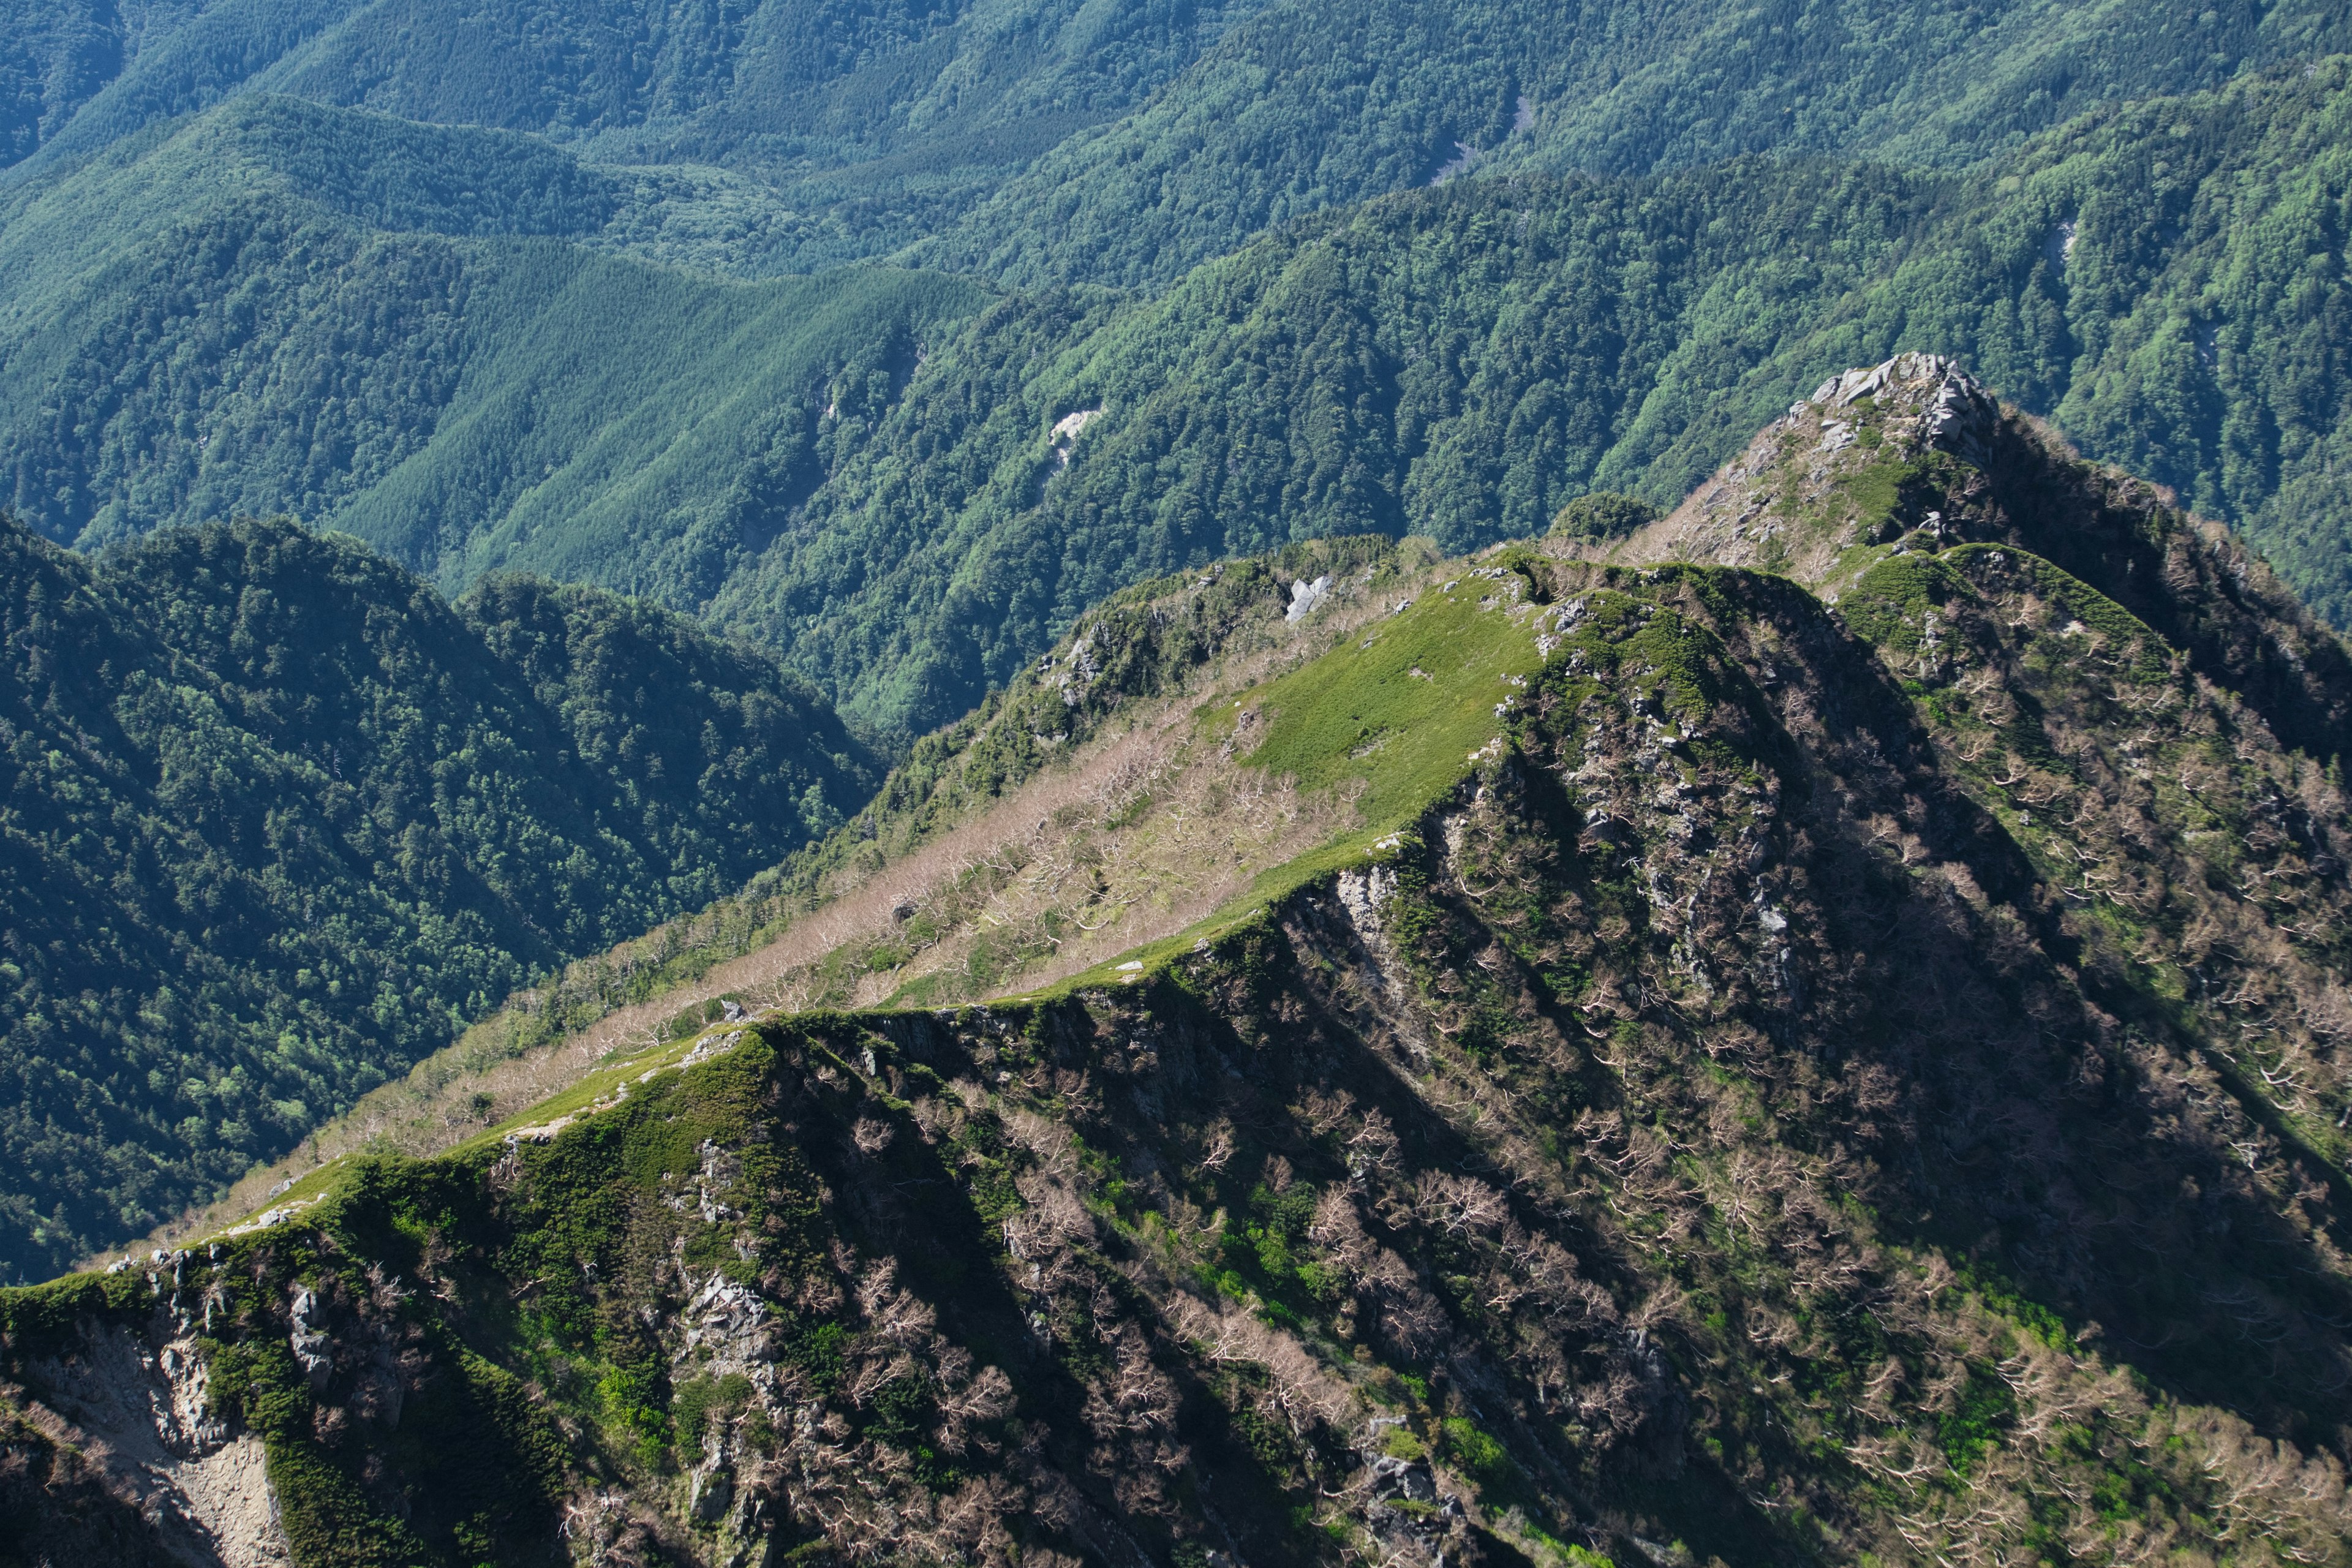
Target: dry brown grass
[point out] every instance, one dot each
(1138, 835)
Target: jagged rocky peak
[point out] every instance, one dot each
(1929, 400)
(1915, 455)
(1850, 466)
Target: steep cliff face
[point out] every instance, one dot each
(1744, 1078)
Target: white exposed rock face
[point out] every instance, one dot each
(2061, 247)
(1961, 416)
(721, 1167)
(726, 1321)
(1067, 431)
(716, 1045)
(1073, 682)
(1304, 596)
(310, 1343)
(139, 1415)
(1363, 893)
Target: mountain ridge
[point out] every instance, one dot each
(1494, 938)
(1731, 1119)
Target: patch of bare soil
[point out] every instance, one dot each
(137, 1416)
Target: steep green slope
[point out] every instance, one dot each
(278, 821)
(210, 325)
(1153, 137)
(868, 125)
(1837, 1083)
(1455, 364)
(1313, 106)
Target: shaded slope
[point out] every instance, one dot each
(278, 820)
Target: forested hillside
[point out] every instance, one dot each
(2165, 282)
(1314, 105)
(1149, 138)
(278, 821)
(360, 323)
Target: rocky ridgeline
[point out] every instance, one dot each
(1789, 502)
(1853, 1082)
(1915, 455)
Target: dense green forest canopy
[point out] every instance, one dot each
(1149, 137)
(366, 324)
(2164, 281)
(1315, 105)
(278, 819)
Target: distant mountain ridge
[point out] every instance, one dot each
(862, 469)
(378, 326)
(1156, 138)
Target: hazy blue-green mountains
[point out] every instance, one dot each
(358, 321)
(1052, 139)
(277, 817)
(897, 113)
(1310, 106)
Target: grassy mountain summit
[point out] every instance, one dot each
(279, 821)
(1915, 455)
(1688, 1071)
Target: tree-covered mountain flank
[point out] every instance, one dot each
(279, 821)
(801, 133)
(2163, 283)
(1839, 1062)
